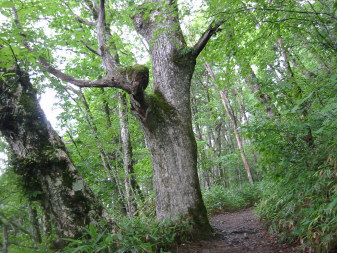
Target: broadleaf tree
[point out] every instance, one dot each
(165, 114)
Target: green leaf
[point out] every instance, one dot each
(7, 4)
(300, 102)
(332, 205)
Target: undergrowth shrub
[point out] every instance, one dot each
(299, 198)
(303, 208)
(219, 198)
(137, 234)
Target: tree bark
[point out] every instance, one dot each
(5, 240)
(46, 224)
(166, 118)
(131, 186)
(40, 157)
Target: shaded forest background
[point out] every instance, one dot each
(264, 108)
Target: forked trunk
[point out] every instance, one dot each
(166, 119)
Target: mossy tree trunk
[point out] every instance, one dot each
(40, 157)
(166, 117)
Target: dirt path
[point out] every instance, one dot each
(238, 232)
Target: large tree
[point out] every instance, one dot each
(165, 115)
(39, 156)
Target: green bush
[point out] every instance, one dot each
(219, 198)
(303, 208)
(299, 198)
(137, 234)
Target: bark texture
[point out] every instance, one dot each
(166, 116)
(40, 157)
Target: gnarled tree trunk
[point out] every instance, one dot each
(166, 118)
(40, 157)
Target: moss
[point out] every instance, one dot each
(27, 169)
(27, 103)
(184, 56)
(135, 68)
(138, 75)
(160, 103)
(200, 227)
(159, 111)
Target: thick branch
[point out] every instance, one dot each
(107, 81)
(205, 37)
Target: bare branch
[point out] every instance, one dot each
(107, 81)
(79, 19)
(94, 4)
(90, 49)
(205, 37)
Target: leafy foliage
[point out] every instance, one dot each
(137, 234)
(219, 199)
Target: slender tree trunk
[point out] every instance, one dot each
(46, 224)
(253, 83)
(308, 138)
(217, 152)
(231, 114)
(239, 98)
(195, 117)
(229, 111)
(131, 186)
(203, 173)
(104, 156)
(34, 223)
(5, 240)
(40, 157)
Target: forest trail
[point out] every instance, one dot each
(238, 232)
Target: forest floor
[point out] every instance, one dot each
(238, 232)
